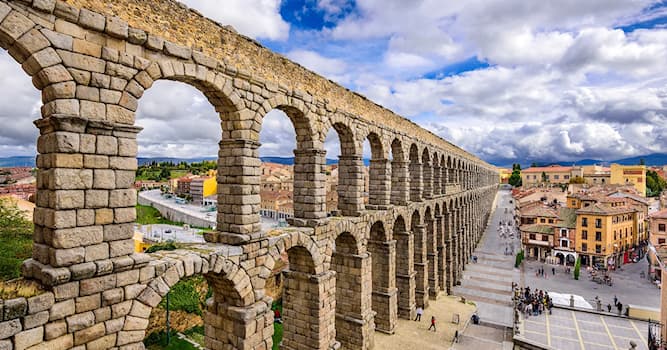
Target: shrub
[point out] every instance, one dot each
(577, 268)
(519, 259)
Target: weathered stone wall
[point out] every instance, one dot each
(93, 60)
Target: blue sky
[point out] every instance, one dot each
(504, 79)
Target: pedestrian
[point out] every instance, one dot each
(420, 311)
(456, 336)
(276, 316)
(615, 300)
(432, 324)
(619, 306)
(608, 307)
(553, 271)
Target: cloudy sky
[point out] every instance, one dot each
(504, 79)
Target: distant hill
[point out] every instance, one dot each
(654, 159)
(10, 162)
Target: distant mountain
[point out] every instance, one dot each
(146, 160)
(290, 160)
(10, 162)
(654, 159)
(649, 159)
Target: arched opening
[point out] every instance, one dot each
(415, 175)
(405, 276)
(345, 179)
(379, 177)
(354, 317)
(20, 105)
(399, 174)
(383, 254)
(435, 159)
(443, 174)
(420, 259)
(427, 175)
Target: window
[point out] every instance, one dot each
(584, 222)
(542, 220)
(566, 177)
(584, 247)
(584, 234)
(661, 241)
(556, 177)
(564, 243)
(598, 223)
(661, 227)
(551, 221)
(545, 238)
(531, 236)
(614, 235)
(574, 202)
(563, 232)
(598, 248)
(598, 236)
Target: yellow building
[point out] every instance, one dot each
(202, 187)
(608, 229)
(629, 174)
(504, 174)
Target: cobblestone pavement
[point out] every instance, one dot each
(488, 282)
(627, 285)
(567, 329)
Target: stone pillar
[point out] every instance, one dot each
(310, 192)
(405, 274)
(238, 192)
(427, 180)
(432, 253)
(309, 306)
(350, 185)
(437, 180)
(85, 201)
(385, 293)
(421, 266)
(415, 181)
(400, 191)
(441, 260)
(450, 248)
(379, 185)
(354, 316)
(234, 327)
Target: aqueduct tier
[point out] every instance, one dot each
(348, 277)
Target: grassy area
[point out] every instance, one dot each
(158, 341)
(147, 215)
(15, 240)
(277, 327)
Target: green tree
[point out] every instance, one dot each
(544, 177)
(577, 180)
(15, 239)
(533, 165)
(165, 174)
(642, 161)
(577, 268)
(515, 178)
(655, 184)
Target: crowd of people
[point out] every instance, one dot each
(532, 303)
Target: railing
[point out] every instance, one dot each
(655, 341)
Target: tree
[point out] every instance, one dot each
(642, 161)
(165, 174)
(577, 180)
(518, 259)
(544, 177)
(655, 184)
(577, 268)
(15, 239)
(533, 165)
(515, 178)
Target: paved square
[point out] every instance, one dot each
(567, 329)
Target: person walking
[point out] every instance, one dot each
(619, 306)
(553, 271)
(432, 324)
(420, 311)
(615, 300)
(608, 307)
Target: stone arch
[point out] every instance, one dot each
(379, 175)
(405, 276)
(415, 168)
(384, 297)
(350, 167)
(427, 174)
(289, 240)
(399, 174)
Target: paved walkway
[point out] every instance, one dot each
(489, 282)
(567, 329)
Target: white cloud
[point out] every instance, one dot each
(254, 18)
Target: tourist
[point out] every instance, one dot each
(432, 324)
(608, 307)
(619, 306)
(276, 316)
(420, 311)
(553, 271)
(615, 300)
(456, 336)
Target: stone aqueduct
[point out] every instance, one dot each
(348, 276)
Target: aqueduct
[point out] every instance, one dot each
(349, 275)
